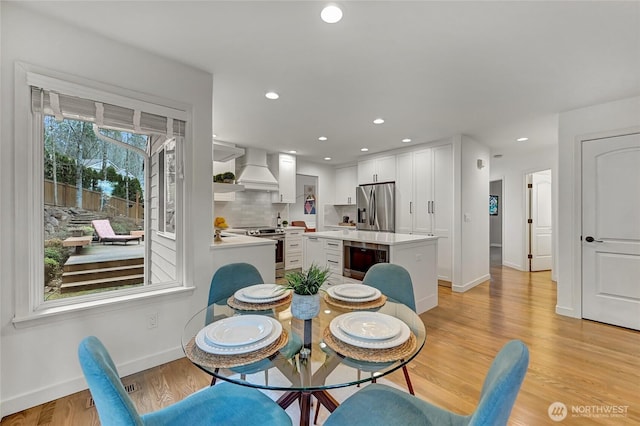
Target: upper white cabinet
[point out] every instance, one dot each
(346, 182)
(381, 169)
(283, 167)
(424, 199)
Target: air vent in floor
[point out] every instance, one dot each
(130, 388)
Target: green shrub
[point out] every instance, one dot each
(119, 228)
(51, 268)
(53, 242)
(53, 253)
(87, 230)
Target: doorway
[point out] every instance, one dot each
(539, 226)
(496, 203)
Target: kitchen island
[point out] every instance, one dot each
(242, 248)
(416, 253)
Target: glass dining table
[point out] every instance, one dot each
(312, 361)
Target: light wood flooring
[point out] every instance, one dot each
(583, 364)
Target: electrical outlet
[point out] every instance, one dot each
(152, 320)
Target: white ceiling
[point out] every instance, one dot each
(495, 71)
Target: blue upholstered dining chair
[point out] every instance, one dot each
(383, 405)
(395, 282)
(225, 282)
(225, 404)
(230, 278)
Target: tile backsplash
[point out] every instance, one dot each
(251, 208)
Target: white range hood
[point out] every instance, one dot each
(253, 171)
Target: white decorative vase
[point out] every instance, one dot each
(305, 306)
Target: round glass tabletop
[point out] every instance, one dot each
(306, 362)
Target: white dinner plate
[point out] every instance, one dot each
(370, 325)
(399, 339)
(261, 293)
(332, 292)
(236, 350)
(238, 331)
(354, 291)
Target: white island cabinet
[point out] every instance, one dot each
(241, 248)
(418, 254)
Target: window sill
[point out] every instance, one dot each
(167, 235)
(44, 316)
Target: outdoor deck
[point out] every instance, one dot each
(100, 266)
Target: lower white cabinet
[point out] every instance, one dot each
(324, 252)
(293, 248)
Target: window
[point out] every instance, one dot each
(93, 151)
(167, 191)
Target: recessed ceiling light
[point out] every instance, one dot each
(406, 140)
(331, 14)
(378, 121)
(327, 158)
(364, 149)
(322, 138)
(522, 139)
(497, 156)
(271, 95)
(293, 151)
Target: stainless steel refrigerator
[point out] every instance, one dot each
(376, 207)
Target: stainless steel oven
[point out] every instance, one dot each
(279, 238)
(360, 256)
(276, 234)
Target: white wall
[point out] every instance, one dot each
(474, 215)
(326, 185)
(39, 361)
(512, 168)
(607, 119)
(296, 211)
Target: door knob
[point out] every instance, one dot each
(590, 239)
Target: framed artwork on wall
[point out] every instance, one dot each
(493, 205)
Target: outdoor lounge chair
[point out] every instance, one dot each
(106, 235)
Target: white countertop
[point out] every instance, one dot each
(236, 240)
(388, 238)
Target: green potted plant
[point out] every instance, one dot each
(306, 285)
(228, 177)
(285, 223)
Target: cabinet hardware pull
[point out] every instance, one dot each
(410, 207)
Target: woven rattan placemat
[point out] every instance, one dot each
(359, 305)
(205, 359)
(396, 353)
(244, 306)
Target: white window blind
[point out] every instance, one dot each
(103, 114)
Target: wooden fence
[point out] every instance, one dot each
(91, 201)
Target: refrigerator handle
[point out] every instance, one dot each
(372, 211)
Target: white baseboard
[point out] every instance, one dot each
(513, 265)
(77, 384)
(470, 284)
(426, 303)
(495, 245)
(567, 312)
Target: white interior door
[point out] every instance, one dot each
(611, 230)
(541, 229)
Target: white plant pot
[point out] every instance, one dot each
(305, 306)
